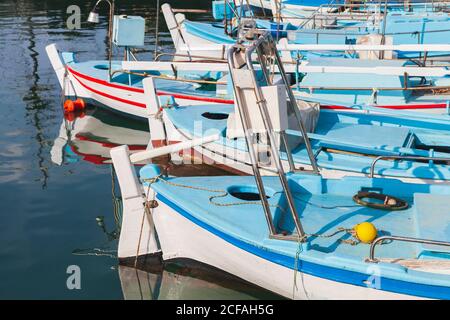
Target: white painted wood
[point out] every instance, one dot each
(132, 241)
(345, 47)
(155, 124)
(55, 60)
(178, 65)
(172, 25)
(126, 174)
(337, 47)
(137, 235)
(149, 154)
(304, 67)
(399, 71)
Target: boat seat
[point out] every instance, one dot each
(432, 223)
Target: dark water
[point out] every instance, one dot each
(56, 192)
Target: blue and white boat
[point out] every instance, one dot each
(212, 220)
(400, 28)
(300, 235)
(334, 82)
(338, 14)
(343, 142)
(118, 86)
(368, 142)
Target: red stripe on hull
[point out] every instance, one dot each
(106, 95)
(103, 82)
(109, 144)
(160, 93)
(216, 100)
(195, 98)
(395, 107)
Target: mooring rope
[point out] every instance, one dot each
(224, 193)
(95, 252)
(157, 31)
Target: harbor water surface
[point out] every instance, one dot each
(59, 209)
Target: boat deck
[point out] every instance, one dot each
(323, 206)
(382, 139)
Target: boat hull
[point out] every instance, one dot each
(126, 99)
(233, 159)
(180, 237)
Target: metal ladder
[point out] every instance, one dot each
(244, 78)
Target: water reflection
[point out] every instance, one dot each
(90, 135)
(55, 171)
(185, 281)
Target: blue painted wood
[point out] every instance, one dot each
(323, 206)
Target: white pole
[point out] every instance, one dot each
(155, 123)
(339, 47)
(149, 154)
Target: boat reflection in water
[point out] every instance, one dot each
(186, 281)
(90, 136)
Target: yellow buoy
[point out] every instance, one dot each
(365, 232)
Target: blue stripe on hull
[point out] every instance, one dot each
(317, 270)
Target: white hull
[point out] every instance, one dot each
(132, 101)
(94, 139)
(180, 238)
(117, 97)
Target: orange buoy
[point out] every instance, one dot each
(69, 106)
(69, 116)
(80, 104)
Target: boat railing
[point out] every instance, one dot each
(380, 240)
(190, 57)
(409, 158)
(377, 6)
(376, 11)
(335, 47)
(377, 89)
(247, 86)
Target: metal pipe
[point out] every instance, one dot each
(268, 125)
(110, 26)
(249, 139)
(207, 59)
(372, 167)
(399, 238)
(157, 30)
(293, 103)
(378, 89)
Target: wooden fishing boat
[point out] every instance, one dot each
(297, 234)
(122, 91)
(373, 142)
(228, 231)
(397, 28)
(335, 83)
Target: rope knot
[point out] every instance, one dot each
(151, 204)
